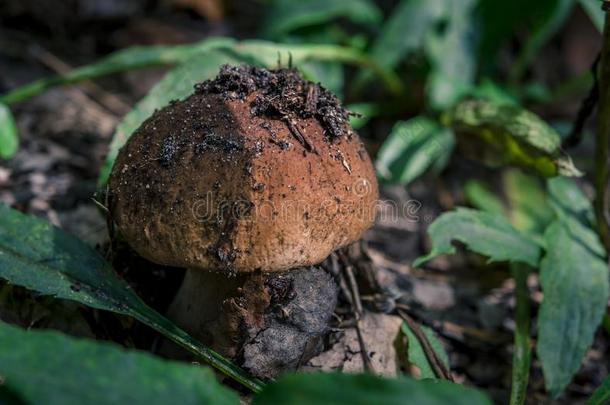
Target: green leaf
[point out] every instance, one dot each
(450, 49)
(548, 22)
(487, 89)
(412, 148)
(284, 16)
(574, 281)
(405, 30)
(251, 51)
(484, 233)
(500, 134)
(480, 197)
(500, 20)
(364, 389)
(365, 112)
(175, 85)
(601, 395)
(593, 8)
(330, 74)
(136, 57)
(36, 255)
(574, 210)
(9, 142)
(529, 210)
(568, 199)
(416, 354)
(47, 367)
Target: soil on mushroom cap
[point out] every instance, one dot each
(282, 93)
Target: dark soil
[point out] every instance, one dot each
(282, 94)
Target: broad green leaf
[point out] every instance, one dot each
(529, 210)
(601, 395)
(47, 367)
(36, 255)
(501, 134)
(501, 20)
(569, 198)
(450, 49)
(175, 85)
(9, 143)
(574, 282)
(479, 196)
(412, 148)
(284, 16)
(547, 25)
(416, 354)
(482, 232)
(526, 207)
(593, 8)
(492, 91)
(405, 30)
(365, 389)
(574, 210)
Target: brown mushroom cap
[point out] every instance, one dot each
(258, 170)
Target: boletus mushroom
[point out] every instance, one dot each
(249, 183)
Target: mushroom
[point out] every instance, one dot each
(249, 184)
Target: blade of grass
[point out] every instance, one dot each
(52, 262)
(126, 59)
(180, 337)
(149, 56)
(521, 352)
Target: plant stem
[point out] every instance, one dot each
(521, 351)
(603, 132)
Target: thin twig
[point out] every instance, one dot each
(435, 362)
(585, 110)
(348, 273)
(298, 135)
(107, 100)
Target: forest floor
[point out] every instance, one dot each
(65, 134)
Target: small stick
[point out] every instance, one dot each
(311, 102)
(108, 101)
(437, 365)
(357, 307)
(298, 135)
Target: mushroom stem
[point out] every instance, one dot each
(199, 304)
(267, 322)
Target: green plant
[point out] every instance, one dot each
(546, 226)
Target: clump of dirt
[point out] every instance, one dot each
(301, 304)
(281, 94)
